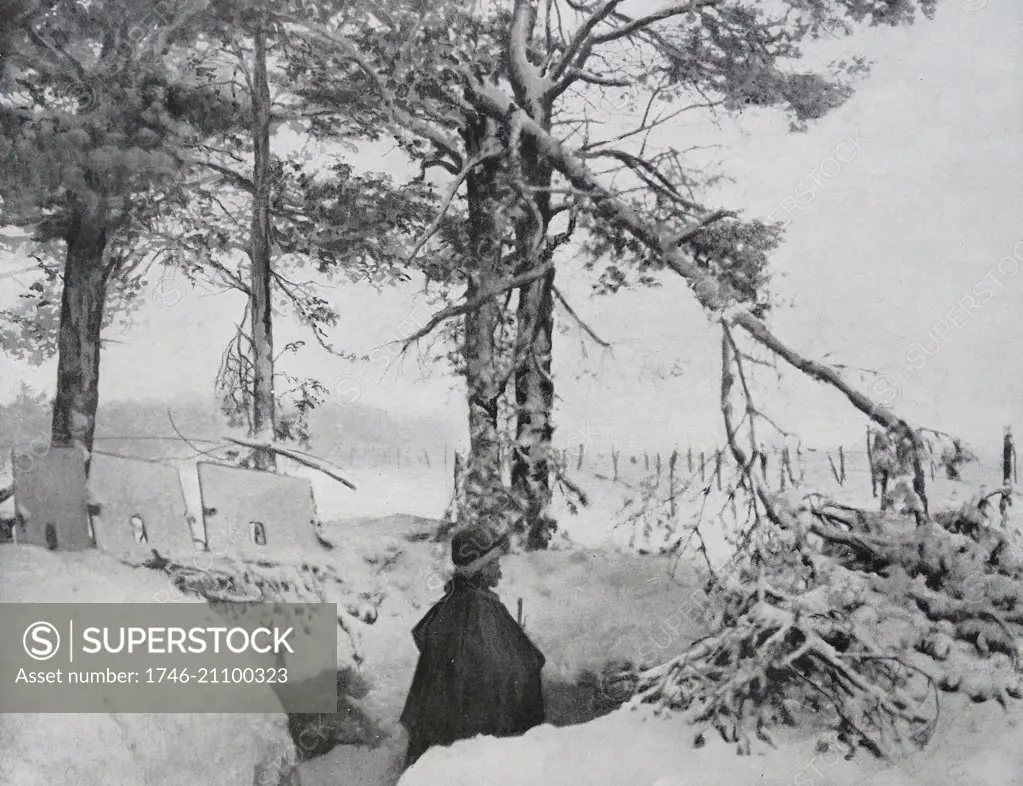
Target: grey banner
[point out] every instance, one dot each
(168, 657)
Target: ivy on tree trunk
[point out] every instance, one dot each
(534, 401)
(483, 485)
(534, 383)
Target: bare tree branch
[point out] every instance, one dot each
(580, 45)
(235, 179)
(455, 311)
(484, 155)
(586, 328)
(643, 22)
(302, 458)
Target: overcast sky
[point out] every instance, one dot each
(902, 255)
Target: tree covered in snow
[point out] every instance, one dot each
(509, 92)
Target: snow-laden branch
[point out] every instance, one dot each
(530, 88)
(823, 373)
(714, 295)
(297, 456)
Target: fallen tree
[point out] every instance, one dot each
(856, 615)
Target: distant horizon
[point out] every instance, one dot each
(207, 406)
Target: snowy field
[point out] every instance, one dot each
(416, 489)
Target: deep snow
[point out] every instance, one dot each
(591, 599)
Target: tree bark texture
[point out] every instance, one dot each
(78, 339)
(263, 404)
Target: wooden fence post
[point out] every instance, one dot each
(834, 470)
(689, 457)
(841, 463)
(646, 461)
(582, 452)
(671, 482)
(614, 462)
(717, 468)
(703, 468)
(658, 465)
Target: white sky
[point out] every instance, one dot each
(891, 241)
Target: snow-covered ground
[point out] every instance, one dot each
(977, 745)
(621, 603)
(118, 749)
(591, 599)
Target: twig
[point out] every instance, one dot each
(586, 328)
(309, 461)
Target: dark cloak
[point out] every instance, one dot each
(478, 672)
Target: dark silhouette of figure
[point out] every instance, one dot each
(1008, 458)
(478, 672)
(1008, 470)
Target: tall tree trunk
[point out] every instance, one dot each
(534, 385)
(263, 405)
(534, 403)
(78, 339)
(483, 499)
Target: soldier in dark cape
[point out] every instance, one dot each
(478, 672)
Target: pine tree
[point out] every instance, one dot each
(92, 121)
